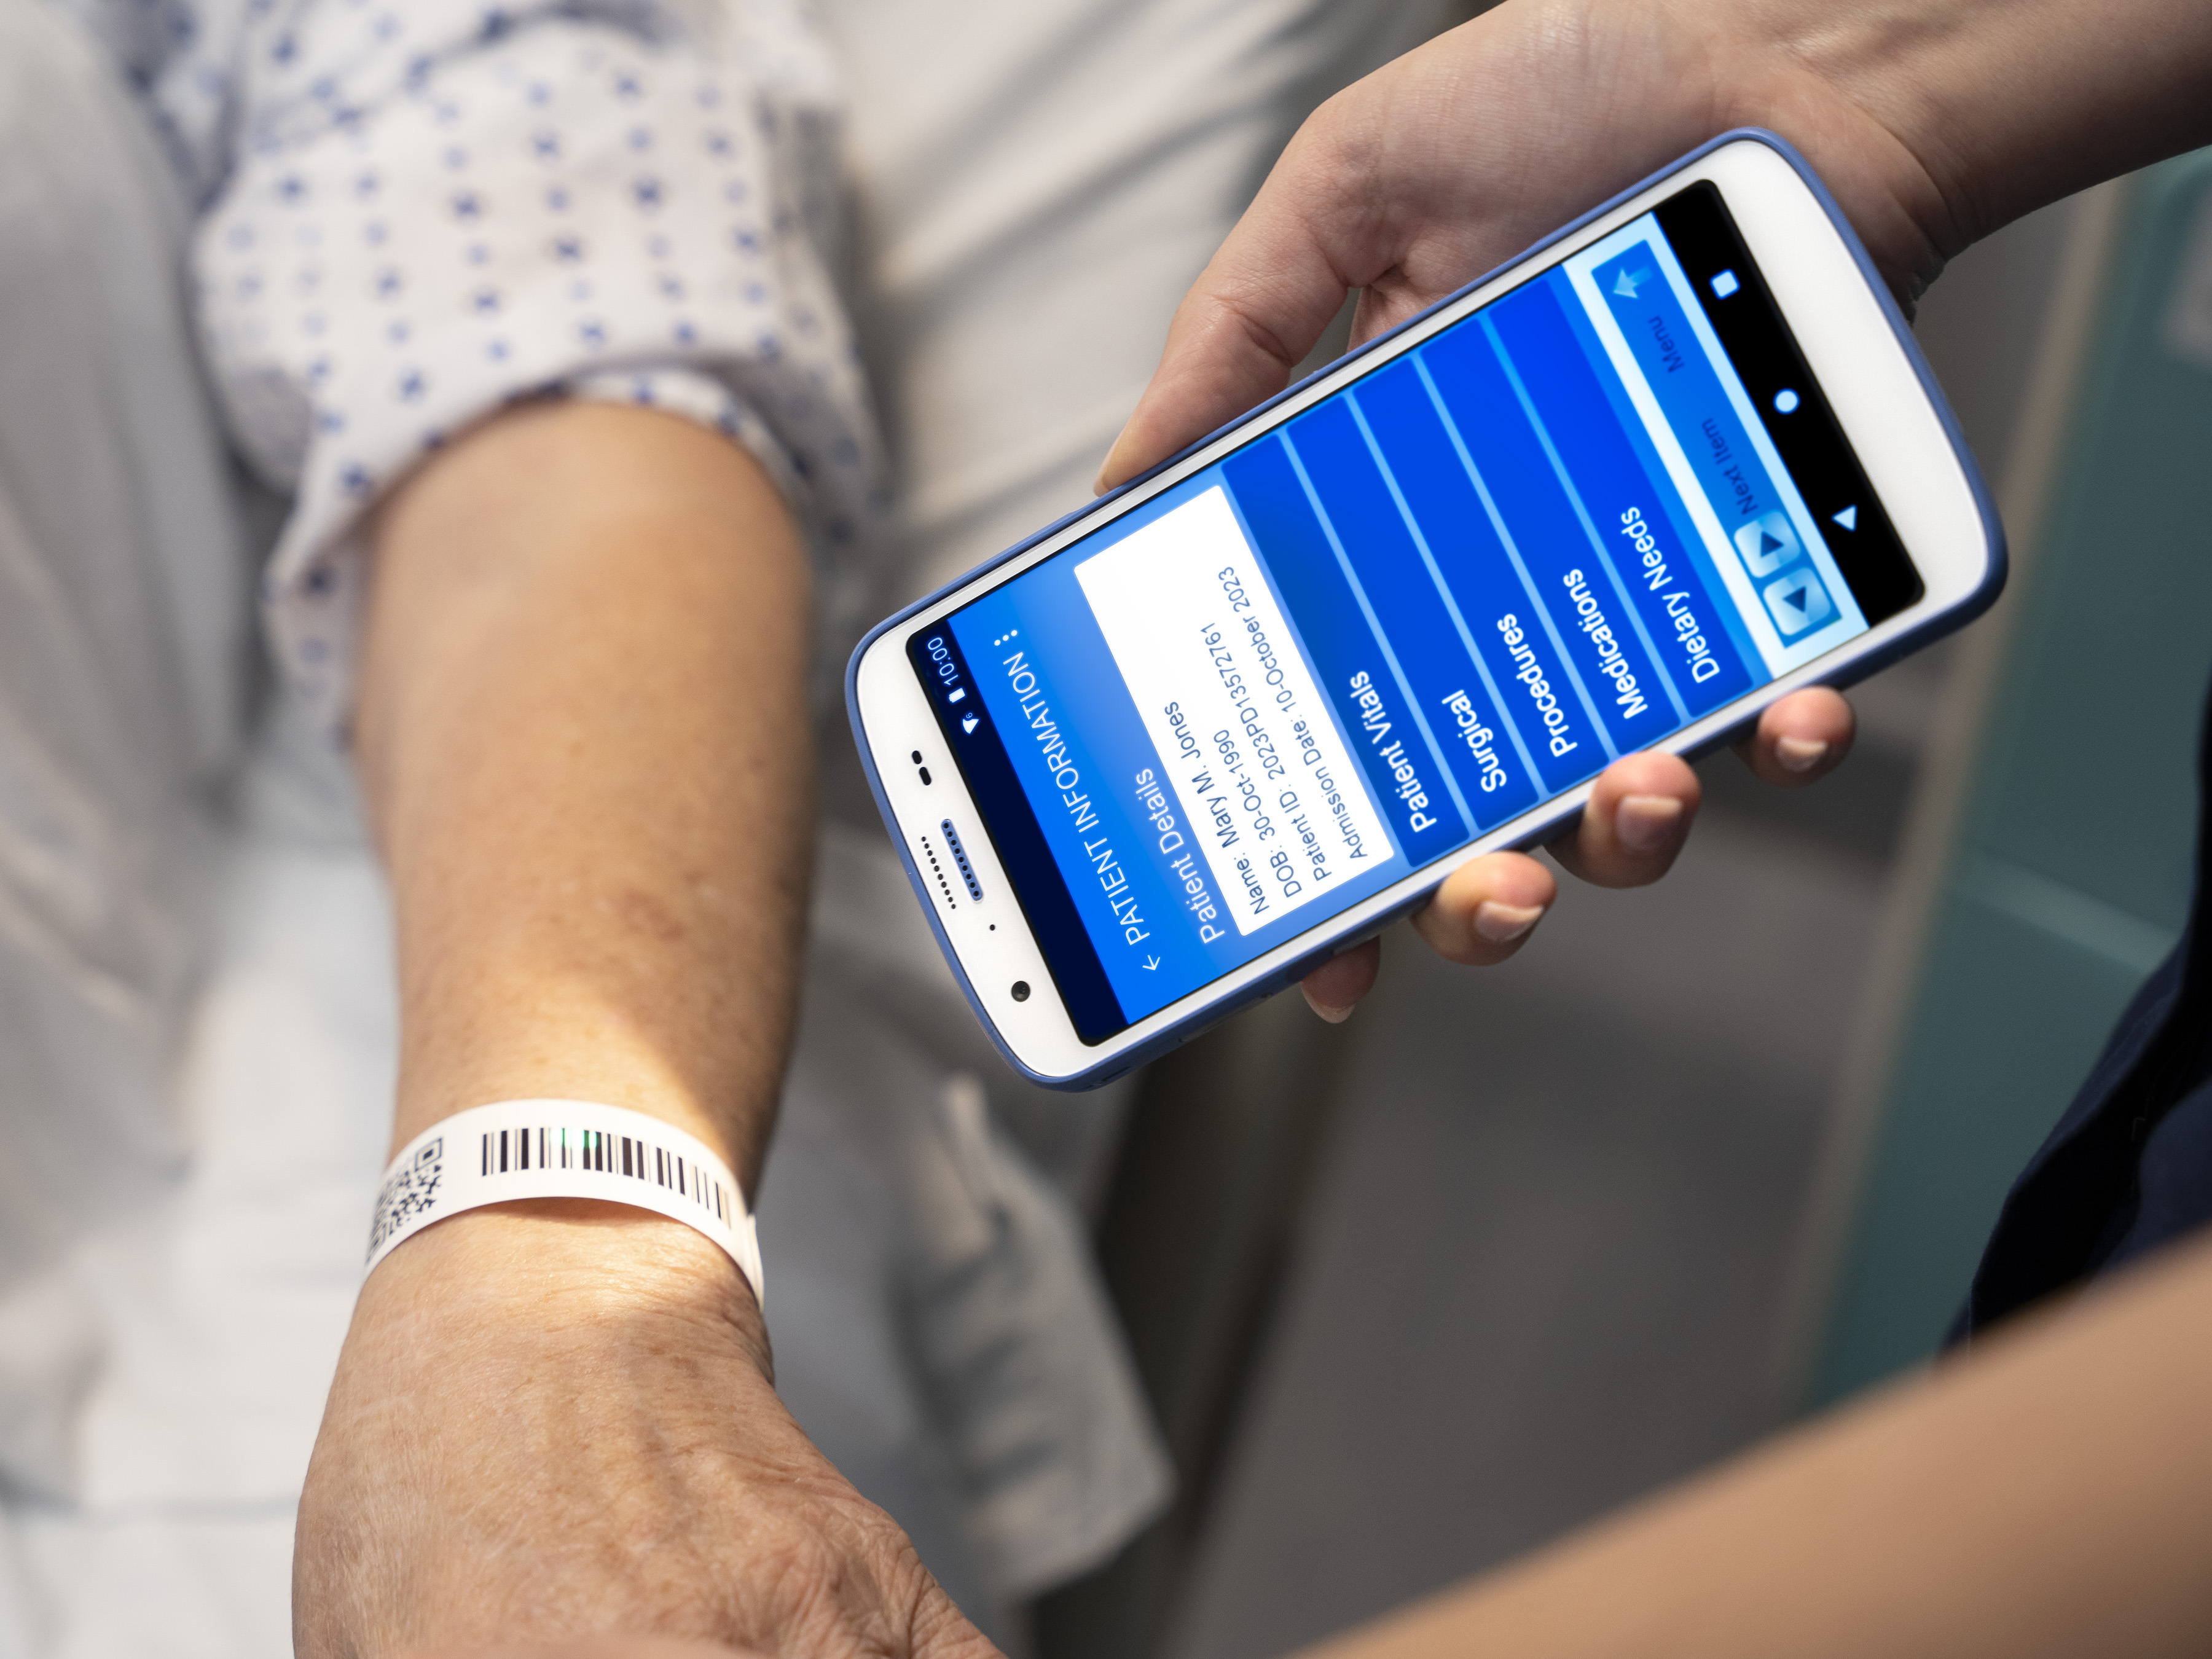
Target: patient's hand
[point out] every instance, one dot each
(1445, 164)
(595, 1647)
(549, 1423)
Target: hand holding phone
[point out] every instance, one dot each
(1620, 497)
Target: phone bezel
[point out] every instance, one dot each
(1883, 395)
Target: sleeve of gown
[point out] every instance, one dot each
(431, 211)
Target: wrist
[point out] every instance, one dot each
(548, 1148)
(579, 1267)
(1860, 89)
(1968, 113)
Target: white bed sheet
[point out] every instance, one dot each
(1036, 183)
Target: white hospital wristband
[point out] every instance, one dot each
(561, 1149)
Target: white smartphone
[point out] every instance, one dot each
(1166, 756)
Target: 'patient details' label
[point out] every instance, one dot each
(1271, 799)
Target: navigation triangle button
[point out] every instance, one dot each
(1797, 602)
(1849, 518)
(1767, 544)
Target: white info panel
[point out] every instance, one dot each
(1227, 700)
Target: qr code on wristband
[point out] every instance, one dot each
(410, 1192)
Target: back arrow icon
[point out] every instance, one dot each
(1151, 963)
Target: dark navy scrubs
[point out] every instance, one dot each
(2130, 1166)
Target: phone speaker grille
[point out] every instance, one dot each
(960, 858)
(937, 869)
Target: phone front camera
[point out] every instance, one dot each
(1021, 990)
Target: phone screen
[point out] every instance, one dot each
(1600, 507)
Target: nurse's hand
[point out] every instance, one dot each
(554, 1425)
(1443, 166)
(1638, 817)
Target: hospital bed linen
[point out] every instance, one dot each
(196, 996)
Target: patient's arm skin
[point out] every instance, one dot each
(2047, 1497)
(584, 742)
(1933, 121)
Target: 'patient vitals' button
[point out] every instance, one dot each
(1797, 602)
(1767, 544)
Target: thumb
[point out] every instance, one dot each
(1249, 319)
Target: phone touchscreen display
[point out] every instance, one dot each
(1600, 507)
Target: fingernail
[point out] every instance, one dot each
(1107, 479)
(1645, 823)
(1501, 924)
(1333, 1016)
(1799, 754)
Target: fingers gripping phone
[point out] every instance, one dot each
(1168, 756)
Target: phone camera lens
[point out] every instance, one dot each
(1021, 990)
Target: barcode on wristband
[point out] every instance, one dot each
(407, 1192)
(411, 1192)
(506, 1150)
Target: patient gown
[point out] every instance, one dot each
(258, 259)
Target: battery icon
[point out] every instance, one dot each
(958, 692)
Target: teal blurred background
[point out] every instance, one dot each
(1415, 1295)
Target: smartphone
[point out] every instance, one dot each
(1168, 755)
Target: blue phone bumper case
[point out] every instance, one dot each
(1859, 667)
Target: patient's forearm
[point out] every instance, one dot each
(584, 741)
(585, 744)
(2049, 1497)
